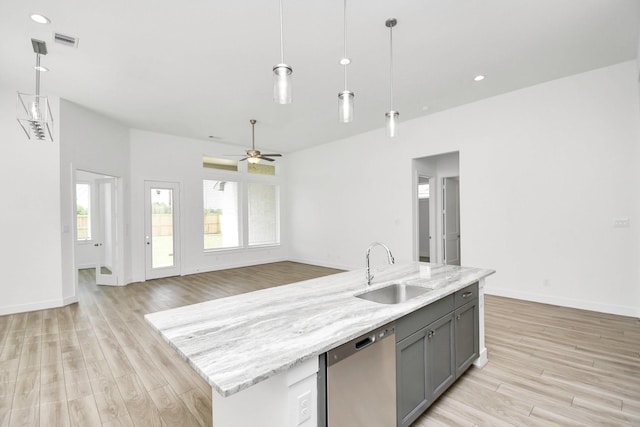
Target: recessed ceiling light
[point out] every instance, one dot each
(40, 19)
(41, 68)
(478, 78)
(425, 108)
(345, 61)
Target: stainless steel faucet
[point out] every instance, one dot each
(389, 256)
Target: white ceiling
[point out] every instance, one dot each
(198, 68)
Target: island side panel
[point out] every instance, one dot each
(482, 358)
(286, 399)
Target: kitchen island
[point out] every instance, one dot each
(259, 351)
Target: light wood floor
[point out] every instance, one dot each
(98, 362)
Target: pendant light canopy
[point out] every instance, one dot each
(345, 98)
(391, 117)
(282, 73)
(33, 112)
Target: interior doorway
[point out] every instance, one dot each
(437, 232)
(96, 225)
(162, 229)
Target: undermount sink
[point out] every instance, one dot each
(393, 294)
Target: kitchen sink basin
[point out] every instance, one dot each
(393, 294)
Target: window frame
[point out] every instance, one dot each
(243, 177)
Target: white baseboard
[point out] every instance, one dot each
(620, 310)
(229, 265)
(69, 300)
(39, 305)
(324, 264)
(482, 358)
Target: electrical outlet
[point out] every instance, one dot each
(304, 407)
(621, 223)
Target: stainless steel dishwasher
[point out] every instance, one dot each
(361, 381)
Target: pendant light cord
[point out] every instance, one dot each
(281, 35)
(391, 68)
(345, 44)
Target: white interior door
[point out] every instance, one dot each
(426, 245)
(162, 240)
(451, 220)
(106, 268)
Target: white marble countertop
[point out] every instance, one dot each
(238, 341)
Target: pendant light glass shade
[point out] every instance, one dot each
(345, 106)
(33, 111)
(282, 73)
(392, 120)
(282, 84)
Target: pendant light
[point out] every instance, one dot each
(33, 112)
(345, 98)
(282, 73)
(392, 116)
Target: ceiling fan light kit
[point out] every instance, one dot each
(392, 121)
(33, 111)
(282, 73)
(253, 155)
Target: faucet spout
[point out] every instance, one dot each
(389, 258)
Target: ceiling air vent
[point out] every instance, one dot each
(66, 40)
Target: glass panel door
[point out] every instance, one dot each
(161, 239)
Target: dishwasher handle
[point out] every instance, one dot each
(365, 342)
(355, 345)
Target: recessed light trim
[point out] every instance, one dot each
(479, 78)
(40, 19)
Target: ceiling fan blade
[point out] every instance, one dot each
(265, 158)
(273, 155)
(244, 158)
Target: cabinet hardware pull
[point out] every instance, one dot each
(458, 317)
(467, 294)
(431, 333)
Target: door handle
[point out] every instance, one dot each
(97, 244)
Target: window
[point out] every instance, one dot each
(220, 164)
(83, 211)
(263, 214)
(423, 191)
(261, 169)
(221, 216)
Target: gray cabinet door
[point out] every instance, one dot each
(411, 377)
(440, 361)
(467, 336)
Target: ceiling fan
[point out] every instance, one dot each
(253, 155)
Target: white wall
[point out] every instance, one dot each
(161, 157)
(543, 170)
(30, 219)
(94, 143)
